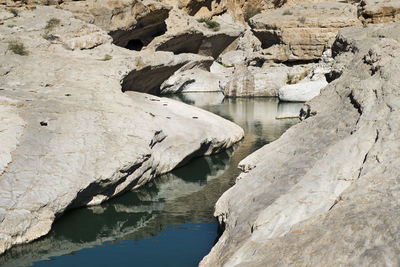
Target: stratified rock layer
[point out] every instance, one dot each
(302, 32)
(380, 11)
(327, 193)
(69, 137)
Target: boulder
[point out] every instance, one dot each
(69, 136)
(248, 42)
(249, 81)
(197, 78)
(327, 192)
(302, 91)
(194, 80)
(303, 32)
(232, 58)
(380, 11)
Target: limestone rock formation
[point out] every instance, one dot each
(265, 81)
(69, 136)
(131, 23)
(380, 11)
(195, 80)
(302, 32)
(240, 10)
(186, 34)
(153, 68)
(327, 192)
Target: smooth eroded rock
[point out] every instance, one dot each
(302, 91)
(327, 192)
(70, 137)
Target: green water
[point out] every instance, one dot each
(168, 222)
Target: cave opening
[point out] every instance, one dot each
(135, 44)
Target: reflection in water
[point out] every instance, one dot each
(169, 221)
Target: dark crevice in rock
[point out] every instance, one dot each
(336, 202)
(267, 38)
(354, 102)
(332, 75)
(197, 43)
(341, 45)
(146, 29)
(220, 230)
(148, 79)
(103, 187)
(216, 44)
(135, 44)
(366, 155)
(185, 84)
(195, 6)
(305, 112)
(199, 152)
(294, 63)
(159, 136)
(184, 43)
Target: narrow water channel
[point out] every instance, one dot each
(168, 222)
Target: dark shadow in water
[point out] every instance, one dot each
(177, 205)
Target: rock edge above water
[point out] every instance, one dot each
(327, 193)
(70, 137)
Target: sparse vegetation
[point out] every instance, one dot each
(14, 12)
(250, 12)
(211, 24)
(287, 12)
(227, 65)
(107, 57)
(18, 48)
(302, 20)
(51, 24)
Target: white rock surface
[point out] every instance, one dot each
(327, 193)
(69, 137)
(302, 91)
(194, 80)
(232, 58)
(197, 78)
(249, 81)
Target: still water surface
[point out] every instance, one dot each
(169, 221)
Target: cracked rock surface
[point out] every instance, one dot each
(70, 137)
(327, 193)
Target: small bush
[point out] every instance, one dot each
(250, 12)
(51, 24)
(287, 12)
(14, 12)
(107, 57)
(211, 24)
(227, 65)
(302, 20)
(18, 48)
